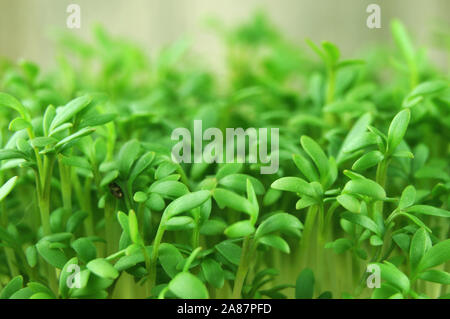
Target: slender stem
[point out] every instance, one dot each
(44, 195)
(242, 270)
(154, 257)
(66, 186)
(307, 233)
(110, 207)
(148, 268)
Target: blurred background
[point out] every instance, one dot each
(26, 25)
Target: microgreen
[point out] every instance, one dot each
(92, 205)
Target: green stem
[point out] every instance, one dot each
(307, 233)
(154, 257)
(66, 186)
(148, 268)
(110, 206)
(242, 269)
(44, 195)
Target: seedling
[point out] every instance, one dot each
(92, 205)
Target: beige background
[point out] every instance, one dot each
(25, 24)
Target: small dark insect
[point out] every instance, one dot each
(115, 190)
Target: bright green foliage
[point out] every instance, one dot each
(89, 194)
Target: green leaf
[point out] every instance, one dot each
(75, 221)
(213, 227)
(394, 276)
(7, 187)
(180, 223)
(271, 196)
(361, 220)
(349, 202)
(275, 242)
(81, 133)
(186, 203)
(170, 257)
(58, 237)
(7, 154)
(418, 248)
(415, 220)
(332, 51)
(280, 222)
(429, 87)
(403, 241)
(305, 167)
(227, 169)
(40, 288)
(97, 120)
(54, 257)
(141, 165)
(438, 276)
(365, 187)
(357, 130)
(226, 198)
(187, 286)
(317, 50)
(294, 184)
(304, 287)
(13, 285)
(60, 128)
(213, 273)
(134, 228)
(24, 293)
(49, 115)
(230, 251)
(408, 197)
(7, 100)
(242, 228)
(140, 197)
(155, 202)
(375, 240)
(238, 182)
(397, 130)
(359, 142)
(305, 201)
(41, 295)
(85, 249)
(102, 268)
(170, 189)
(165, 169)
(19, 124)
(428, 210)
(109, 177)
(41, 142)
(368, 160)
(68, 111)
(127, 155)
(317, 155)
(31, 255)
(436, 255)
